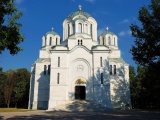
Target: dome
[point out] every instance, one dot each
(79, 22)
(72, 15)
(79, 12)
(107, 32)
(52, 32)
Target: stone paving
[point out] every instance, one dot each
(84, 115)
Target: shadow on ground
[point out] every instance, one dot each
(114, 115)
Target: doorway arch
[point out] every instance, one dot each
(80, 89)
(80, 92)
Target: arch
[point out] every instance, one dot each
(68, 30)
(91, 30)
(81, 59)
(73, 28)
(80, 89)
(56, 40)
(85, 28)
(109, 40)
(103, 42)
(79, 27)
(50, 41)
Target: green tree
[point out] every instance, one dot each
(9, 85)
(10, 35)
(21, 88)
(146, 50)
(2, 79)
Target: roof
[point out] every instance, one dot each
(119, 60)
(43, 60)
(83, 19)
(107, 32)
(51, 32)
(72, 15)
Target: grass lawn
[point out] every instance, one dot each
(13, 110)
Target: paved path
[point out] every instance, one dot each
(59, 115)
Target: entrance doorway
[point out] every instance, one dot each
(80, 92)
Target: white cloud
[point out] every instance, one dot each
(91, 1)
(18, 1)
(125, 33)
(125, 21)
(122, 33)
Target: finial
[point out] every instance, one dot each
(107, 29)
(52, 29)
(80, 8)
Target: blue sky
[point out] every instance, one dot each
(39, 16)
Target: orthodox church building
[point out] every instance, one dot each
(79, 66)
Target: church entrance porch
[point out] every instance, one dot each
(80, 92)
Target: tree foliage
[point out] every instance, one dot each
(10, 35)
(146, 50)
(14, 87)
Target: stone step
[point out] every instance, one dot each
(81, 105)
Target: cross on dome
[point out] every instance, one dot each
(80, 8)
(52, 29)
(107, 28)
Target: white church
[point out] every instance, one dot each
(79, 66)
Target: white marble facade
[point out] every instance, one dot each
(79, 66)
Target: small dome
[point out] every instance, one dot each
(107, 32)
(51, 32)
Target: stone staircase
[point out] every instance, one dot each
(81, 105)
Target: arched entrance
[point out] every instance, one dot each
(80, 89)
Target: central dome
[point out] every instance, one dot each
(72, 15)
(80, 23)
(79, 12)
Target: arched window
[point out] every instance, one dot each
(115, 70)
(114, 41)
(101, 78)
(110, 70)
(45, 67)
(80, 27)
(68, 30)
(85, 28)
(56, 41)
(45, 40)
(58, 78)
(91, 30)
(101, 62)
(58, 61)
(50, 41)
(103, 41)
(109, 40)
(79, 42)
(73, 28)
(49, 68)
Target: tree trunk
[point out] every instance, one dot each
(8, 103)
